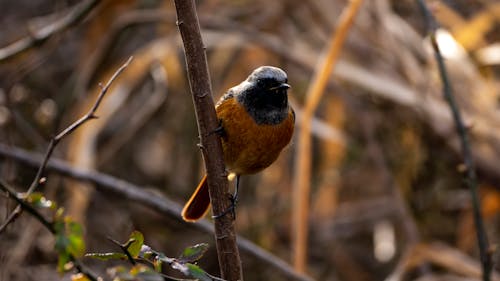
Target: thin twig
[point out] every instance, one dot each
(201, 89)
(38, 36)
(137, 194)
(55, 140)
(12, 194)
(470, 177)
(303, 161)
(124, 249)
(50, 226)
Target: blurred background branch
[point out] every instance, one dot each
(470, 177)
(45, 30)
(315, 91)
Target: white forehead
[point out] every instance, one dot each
(268, 72)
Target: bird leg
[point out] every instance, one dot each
(234, 201)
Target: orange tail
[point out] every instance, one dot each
(198, 204)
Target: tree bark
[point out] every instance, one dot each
(199, 81)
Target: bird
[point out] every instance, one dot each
(256, 123)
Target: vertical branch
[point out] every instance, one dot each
(470, 177)
(199, 81)
(303, 163)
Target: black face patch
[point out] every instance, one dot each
(268, 107)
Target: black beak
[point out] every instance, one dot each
(283, 86)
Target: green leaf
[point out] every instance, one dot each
(107, 256)
(73, 228)
(192, 270)
(38, 200)
(61, 243)
(68, 240)
(198, 273)
(134, 243)
(76, 245)
(58, 216)
(193, 253)
(62, 260)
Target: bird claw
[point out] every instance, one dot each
(234, 201)
(231, 209)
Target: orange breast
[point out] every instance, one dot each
(249, 147)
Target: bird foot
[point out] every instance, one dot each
(231, 209)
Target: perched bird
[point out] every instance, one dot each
(256, 123)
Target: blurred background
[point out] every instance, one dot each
(387, 197)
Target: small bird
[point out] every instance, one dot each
(256, 123)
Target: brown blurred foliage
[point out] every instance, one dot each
(387, 196)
